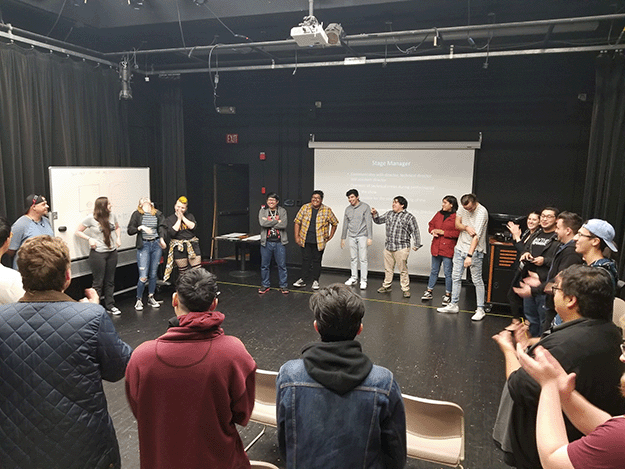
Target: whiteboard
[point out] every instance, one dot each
(73, 191)
(422, 172)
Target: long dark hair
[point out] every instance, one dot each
(102, 213)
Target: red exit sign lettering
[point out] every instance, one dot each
(232, 138)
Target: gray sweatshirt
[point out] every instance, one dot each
(357, 221)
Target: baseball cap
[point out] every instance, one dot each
(602, 229)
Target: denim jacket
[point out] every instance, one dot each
(318, 428)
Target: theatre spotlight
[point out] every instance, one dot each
(125, 75)
(335, 34)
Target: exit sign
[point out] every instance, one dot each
(232, 138)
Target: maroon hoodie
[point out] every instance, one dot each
(187, 390)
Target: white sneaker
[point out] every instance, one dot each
(152, 302)
(315, 285)
(114, 311)
(299, 283)
(139, 304)
(351, 281)
(363, 285)
(451, 308)
(479, 314)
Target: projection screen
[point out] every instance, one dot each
(422, 172)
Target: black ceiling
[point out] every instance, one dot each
(105, 26)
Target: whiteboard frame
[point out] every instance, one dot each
(127, 253)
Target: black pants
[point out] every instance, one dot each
(311, 262)
(103, 266)
(514, 300)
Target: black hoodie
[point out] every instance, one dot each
(339, 366)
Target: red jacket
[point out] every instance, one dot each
(187, 390)
(444, 245)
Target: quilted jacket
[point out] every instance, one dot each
(54, 354)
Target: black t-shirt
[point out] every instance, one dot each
(311, 234)
(273, 234)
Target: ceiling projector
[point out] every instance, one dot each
(309, 33)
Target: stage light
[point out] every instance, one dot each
(125, 75)
(335, 34)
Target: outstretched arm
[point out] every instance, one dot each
(558, 392)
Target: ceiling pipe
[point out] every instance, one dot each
(54, 48)
(366, 39)
(446, 56)
(18, 34)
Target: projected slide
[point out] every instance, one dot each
(421, 172)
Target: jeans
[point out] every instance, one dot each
(436, 267)
(401, 259)
(534, 312)
(103, 265)
(148, 258)
(278, 251)
(358, 251)
(476, 275)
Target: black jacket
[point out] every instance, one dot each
(54, 354)
(135, 222)
(588, 347)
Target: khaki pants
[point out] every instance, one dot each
(401, 259)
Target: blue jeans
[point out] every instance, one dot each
(358, 251)
(476, 275)
(436, 267)
(148, 258)
(278, 251)
(534, 312)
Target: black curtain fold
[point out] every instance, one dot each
(170, 146)
(604, 192)
(54, 111)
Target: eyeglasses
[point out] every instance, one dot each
(555, 288)
(585, 235)
(547, 216)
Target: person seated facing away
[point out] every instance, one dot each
(601, 448)
(10, 280)
(55, 353)
(587, 343)
(189, 387)
(335, 408)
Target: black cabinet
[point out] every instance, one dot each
(501, 269)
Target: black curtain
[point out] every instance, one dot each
(170, 145)
(604, 193)
(54, 111)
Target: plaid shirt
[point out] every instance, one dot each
(325, 218)
(399, 227)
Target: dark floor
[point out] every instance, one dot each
(432, 355)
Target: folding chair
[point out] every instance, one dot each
(264, 402)
(434, 430)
